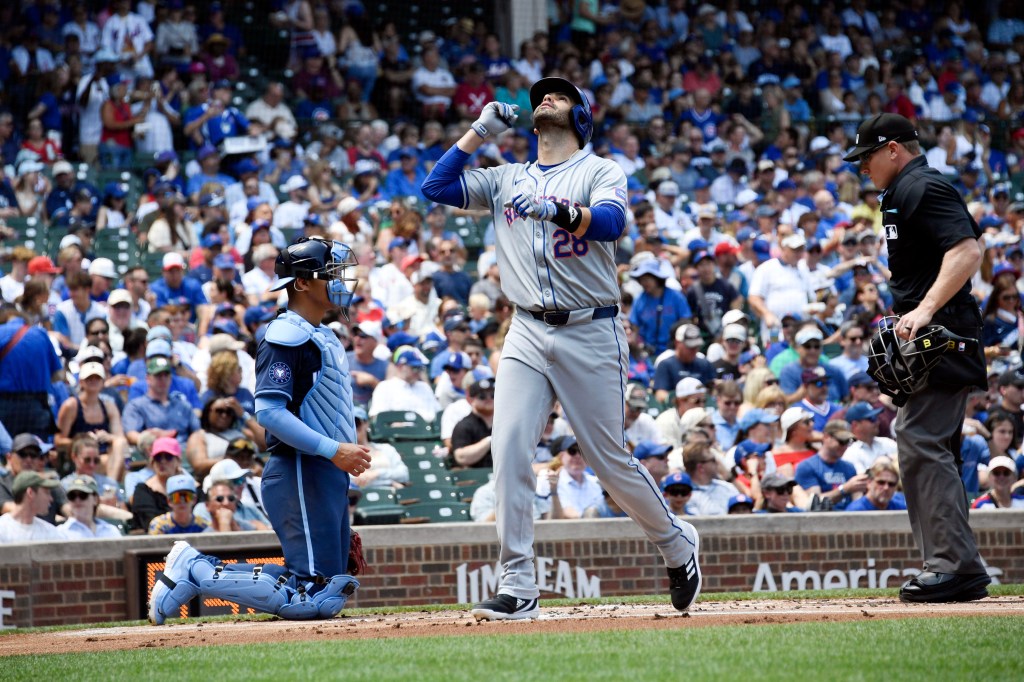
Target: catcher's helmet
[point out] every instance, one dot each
(315, 258)
(901, 367)
(582, 117)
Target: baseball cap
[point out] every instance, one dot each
(668, 188)
(157, 365)
(224, 341)
(455, 323)
(410, 357)
(83, 484)
(181, 483)
(776, 480)
(699, 256)
(481, 388)
(41, 265)
(786, 184)
(1002, 462)
(861, 379)
(747, 448)
(224, 261)
(458, 361)
(173, 260)
(650, 448)
(224, 326)
(62, 167)
(737, 500)
(734, 331)
(795, 241)
(651, 266)
(158, 348)
(118, 297)
(398, 243)
(761, 247)
(205, 151)
(734, 317)
(31, 479)
(211, 199)
(879, 130)
(745, 233)
(745, 196)
(224, 470)
(839, 429)
(563, 444)
(756, 416)
(91, 369)
(103, 267)
(27, 440)
(793, 416)
(726, 246)
(637, 397)
(166, 446)
(689, 386)
(689, 334)
(809, 376)
(246, 166)
(347, 205)
(678, 478)
(211, 240)
(862, 410)
(749, 355)
(410, 260)
(257, 314)
(808, 334)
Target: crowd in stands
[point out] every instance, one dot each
(155, 157)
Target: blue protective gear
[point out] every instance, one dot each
(582, 116)
(253, 587)
(527, 206)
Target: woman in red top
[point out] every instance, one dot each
(118, 122)
(36, 141)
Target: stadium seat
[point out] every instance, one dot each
(415, 448)
(471, 478)
(430, 477)
(436, 512)
(425, 492)
(377, 497)
(401, 425)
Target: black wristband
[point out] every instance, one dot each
(567, 217)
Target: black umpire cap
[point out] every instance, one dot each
(879, 130)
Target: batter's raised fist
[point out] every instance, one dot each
(496, 118)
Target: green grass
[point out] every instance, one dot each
(994, 590)
(914, 649)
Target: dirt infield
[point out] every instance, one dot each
(582, 618)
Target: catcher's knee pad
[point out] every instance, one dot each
(324, 604)
(255, 590)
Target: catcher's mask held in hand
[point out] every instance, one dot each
(901, 367)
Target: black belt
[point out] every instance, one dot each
(560, 318)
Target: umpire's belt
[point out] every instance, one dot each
(560, 318)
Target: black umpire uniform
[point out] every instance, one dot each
(924, 217)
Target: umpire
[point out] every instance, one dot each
(933, 252)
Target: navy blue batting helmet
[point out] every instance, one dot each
(582, 117)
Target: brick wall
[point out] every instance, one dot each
(82, 582)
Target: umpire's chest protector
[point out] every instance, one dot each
(923, 217)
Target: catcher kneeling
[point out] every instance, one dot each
(304, 400)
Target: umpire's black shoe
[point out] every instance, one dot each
(945, 587)
(684, 581)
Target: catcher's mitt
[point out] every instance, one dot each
(356, 561)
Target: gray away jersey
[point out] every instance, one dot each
(543, 266)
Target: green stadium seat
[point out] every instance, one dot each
(377, 497)
(429, 477)
(401, 425)
(471, 478)
(425, 492)
(436, 512)
(415, 449)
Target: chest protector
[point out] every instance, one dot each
(327, 408)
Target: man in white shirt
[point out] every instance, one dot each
(640, 426)
(419, 309)
(258, 281)
(408, 390)
(672, 222)
(292, 213)
(579, 493)
(868, 447)
(128, 36)
(92, 92)
(710, 495)
(32, 496)
(780, 287)
(432, 84)
(271, 111)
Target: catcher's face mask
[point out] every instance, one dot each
(901, 366)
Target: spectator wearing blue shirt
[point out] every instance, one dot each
(456, 331)
(808, 350)
(449, 280)
(215, 120)
(26, 371)
(684, 363)
(658, 308)
(175, 288)
(366, 369)
(973, 451)
(181, 381)
(166, 414)
(815, 401)
(61, 198)
(407, 179)
(826, 474)
(209, 171)
(881, 495)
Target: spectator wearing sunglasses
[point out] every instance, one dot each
(471, 439)
(864, 388)
(149, 499)
(577, 494)
(28, 453)
(776, 494)
(852, 360)
(85, 455)
(1003, 492)
(710, 494)
(882, 491)
(83, 495)
(677, 489)
(815, 400)
(808, 350)
(827, 475)
(222, 506)
(869, 446)
(181, 497)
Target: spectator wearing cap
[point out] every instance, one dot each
(72, 315)
(1011, 397)
(827, 474)
(780, 286)
(576, 494)
(158, 344)
(449, 279)
(113, 212)
(407, 179)
(272, 112)
(209, 174)
(684, 362)
(690, 394)
(1003, 492)
(653, 454)
(869, 446)
(808, 342)
(292, 213)
(84, 499)
(710, 296)
(448, 388)
(777, 491)
(750, 462)
(882, 490)
(639, 425)
(128, 36)
(259, 281)
(732, 346)
(367, 370)
(672, 222)
(94, 413)
(182, 496)
(163, 411)
(225, 487)
(406, 390)
(215, 119)
(177, 288)
(32, 494)
(103, 276)
(677, 488)
(864, 388)
(726, 187)
(471, 438)
(798, 436)
(66, 187)
(456, 331)
(658, 308)
(725, 416)
(30, 455)
(815, 382)
(419, 309)
(710, 494)
(211, 245)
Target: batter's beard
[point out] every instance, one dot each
(547, 118)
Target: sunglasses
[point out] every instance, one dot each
(32, 454)
(678, 492)
(164, 457)
(77, 496)
(573, 451)
(181, 497)
(844, 442)
(90, 460)
(784, 490)
(224, 410)
(812, 345)
(854, 338)
(1009, 297)
(1001, 472)
(885, 484)
(226, 498)
(771, 382)
(819, 383)
(729, 403)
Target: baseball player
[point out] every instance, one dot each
(557, 220)
(304, 400)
